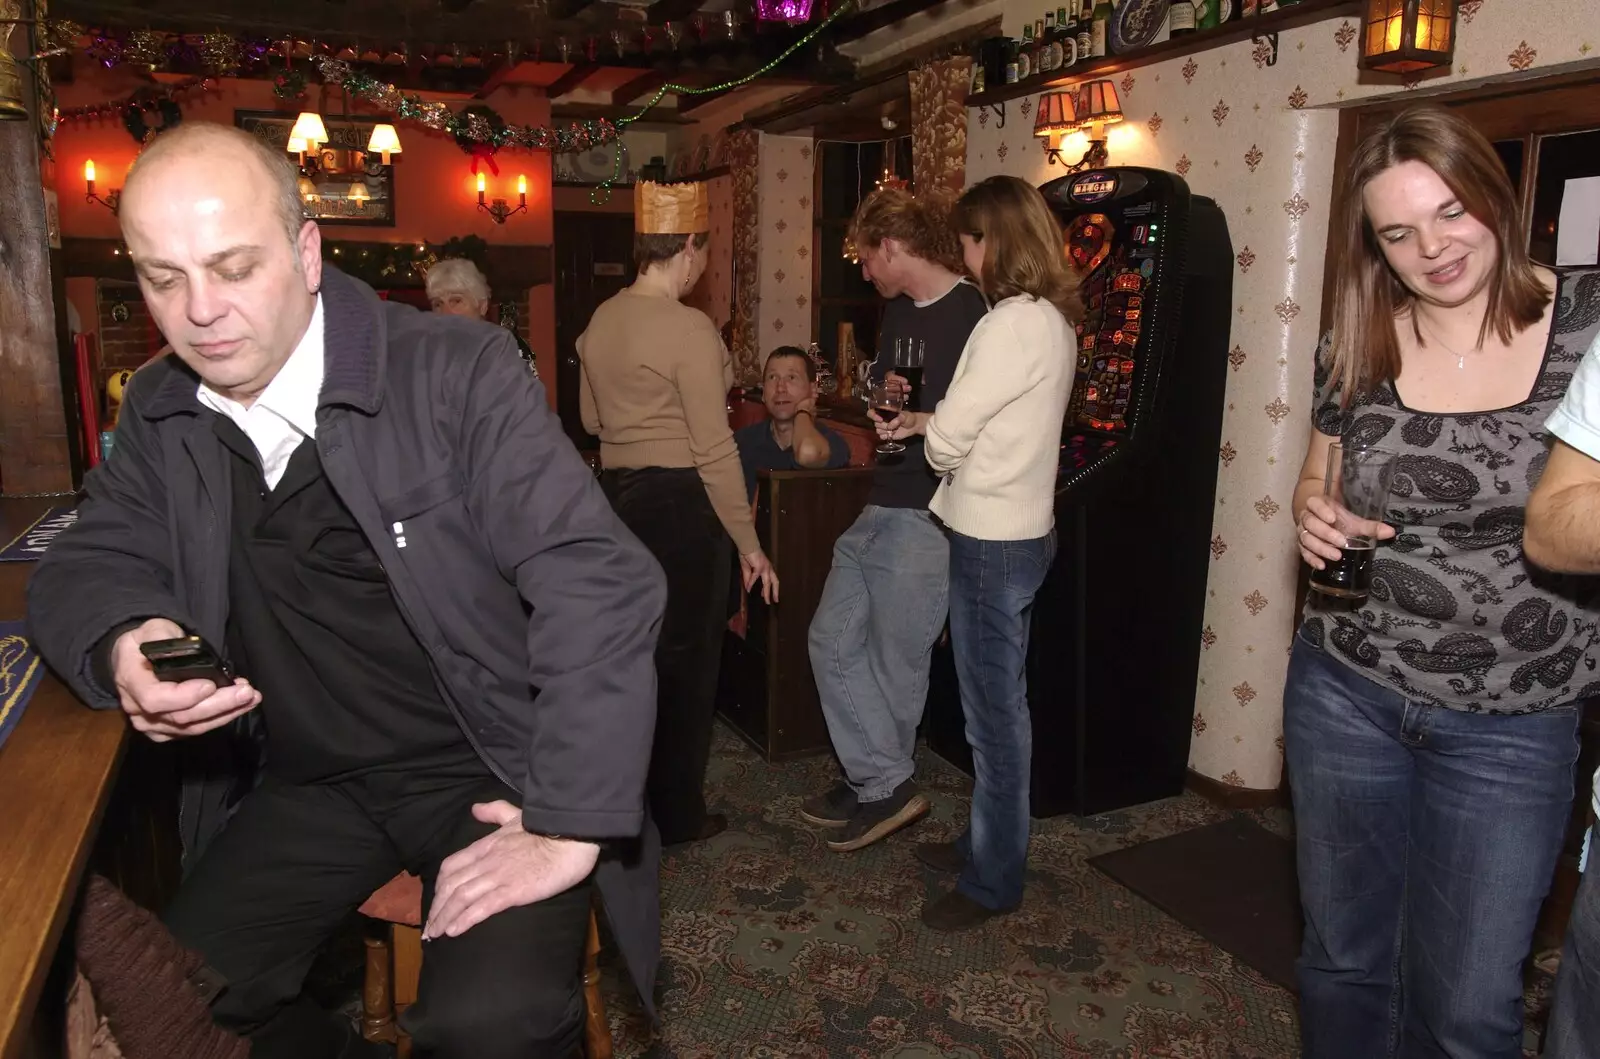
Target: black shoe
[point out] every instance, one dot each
(713, 825)
(833, 808)
(874, 820)
(956, 911)
(942, 856)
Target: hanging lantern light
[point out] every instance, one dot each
(385, 142)
(1405, 36)
(791, 11)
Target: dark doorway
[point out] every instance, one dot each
(594, 260)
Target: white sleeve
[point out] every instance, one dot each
(1577, 420)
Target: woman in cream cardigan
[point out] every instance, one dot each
(996, 438)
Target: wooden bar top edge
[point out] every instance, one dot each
(56, 773)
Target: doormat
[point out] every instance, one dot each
(20, 669)
(1232, 883)
(31, 542)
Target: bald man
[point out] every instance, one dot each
(442, 635)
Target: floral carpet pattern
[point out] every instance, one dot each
(776, 948)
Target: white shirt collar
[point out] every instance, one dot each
(293, 393)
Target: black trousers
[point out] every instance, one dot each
(295, 860)
(668, 510)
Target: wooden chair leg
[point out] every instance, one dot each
(377, 994)
(407, 977)
(596, 1030)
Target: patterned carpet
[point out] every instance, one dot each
(776, 948)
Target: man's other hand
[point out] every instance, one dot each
(503, 870)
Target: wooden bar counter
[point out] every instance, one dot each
(56, 774)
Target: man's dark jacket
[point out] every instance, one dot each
(538, 610)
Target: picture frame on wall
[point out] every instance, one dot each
(340, 182)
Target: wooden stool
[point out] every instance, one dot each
(394, 967)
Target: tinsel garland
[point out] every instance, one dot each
(222, 55)
(473, 127)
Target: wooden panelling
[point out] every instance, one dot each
(767, 692)
(35, 455)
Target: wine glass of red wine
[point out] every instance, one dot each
(887, 400)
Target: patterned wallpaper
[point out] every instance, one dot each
(1253, 137)
(783, 309)
(714, 293)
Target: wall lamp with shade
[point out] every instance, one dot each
(1098, 106)
(1407, 36)
(385, 141)
(307, 136)
(1057, 115)
(498, 209)
(112, 197)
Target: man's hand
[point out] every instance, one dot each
(757, 567)
(899, 382)
(161, 709)
(807, 405)
(504, 870)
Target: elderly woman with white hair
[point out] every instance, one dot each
(457, 286)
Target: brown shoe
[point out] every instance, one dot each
(874, 820)
(955, 911)
(941, 856)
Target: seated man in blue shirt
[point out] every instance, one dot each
(791, 439)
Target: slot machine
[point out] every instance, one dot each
(1114, 647)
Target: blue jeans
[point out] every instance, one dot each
(1575, 1012)
(872, 638)
(992, 585)
(1426, 839)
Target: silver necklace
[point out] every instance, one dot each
(1461, 358)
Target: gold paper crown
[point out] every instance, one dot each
(670, 209)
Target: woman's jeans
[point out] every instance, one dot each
(1426, 839)
(1574, 1031)
(668, 510)
(992, 585)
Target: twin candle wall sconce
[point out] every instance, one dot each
(499, 209)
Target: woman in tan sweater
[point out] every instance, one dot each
(654, 388)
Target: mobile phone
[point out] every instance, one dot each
(187, 658)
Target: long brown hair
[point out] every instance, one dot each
(915, 223)
(1023, 251)
(1368, 298)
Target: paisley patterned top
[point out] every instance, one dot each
(1455, 616)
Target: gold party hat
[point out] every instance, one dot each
(670, 209)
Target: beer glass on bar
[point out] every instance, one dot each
(1357, 485)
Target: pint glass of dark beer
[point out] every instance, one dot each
(1357, 485)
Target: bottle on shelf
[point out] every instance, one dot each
(1067, 30)
(1085, 28)
(1025, 54)
(1205, 14)
(1180, 18)
(1101, 28)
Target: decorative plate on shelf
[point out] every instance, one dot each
(1135, 24)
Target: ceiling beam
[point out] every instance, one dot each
(672, 10)
(880, 17)
(663, 117)
(496, 78)
(577, 75)
(644, 84)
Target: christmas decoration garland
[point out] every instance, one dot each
(477, 129)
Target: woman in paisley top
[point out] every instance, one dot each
(1430, 733)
